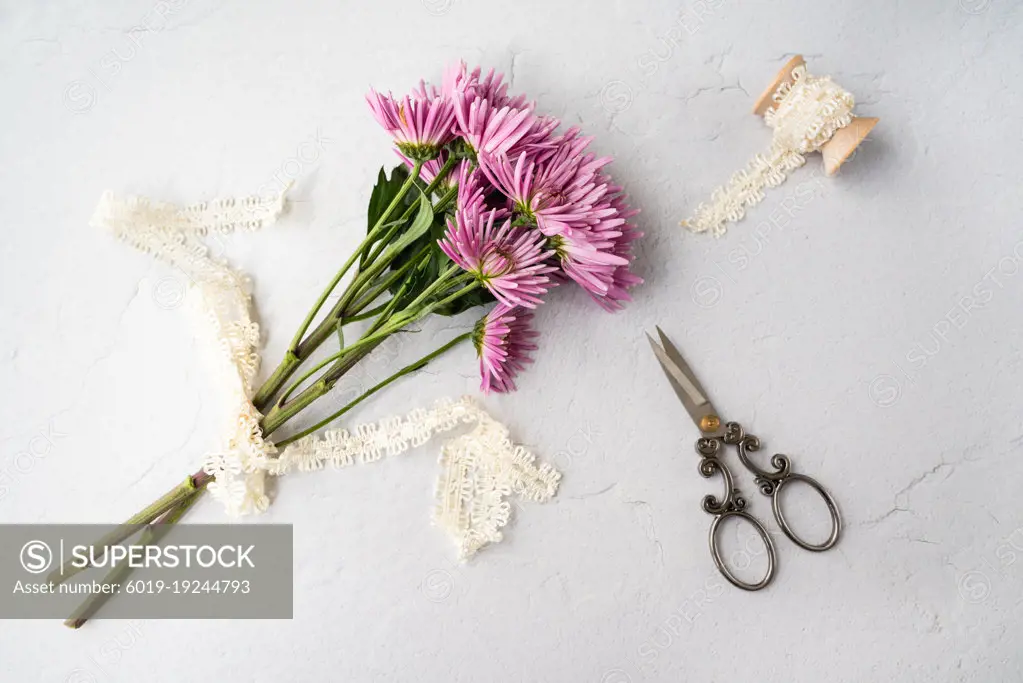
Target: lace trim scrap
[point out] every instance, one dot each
(808, 112)
(479, 470)
(220, 299)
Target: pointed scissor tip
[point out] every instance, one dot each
(658, 349)
(678, 372)
(666, 343)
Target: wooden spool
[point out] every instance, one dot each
(841, 146)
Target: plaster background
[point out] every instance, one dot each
(832, 333)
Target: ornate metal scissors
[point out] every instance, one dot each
(709, 446)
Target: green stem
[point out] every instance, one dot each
(445, 168)
(333, 358)
(451, 161)
(360, 284)
(368, 337)
(421, 363)
(385, 315)
(386, 239)
(279, 376)
(367, 315)
(442, 302)
(151, 535)
(299, 349)
(443, 282)
(345, 361)
(366, 243)
(445, 199)
(327, 326)
(372, 338)
(281, 414)
(365, 279)
(162, 504)
(387, 282)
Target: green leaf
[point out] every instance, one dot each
(477, 297)
(416, 281)
(383, 194)
(406, 246)
(423, 232)
(420, 225)
(439, 227)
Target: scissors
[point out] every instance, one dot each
(714, 435)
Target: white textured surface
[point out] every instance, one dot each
(842, 337)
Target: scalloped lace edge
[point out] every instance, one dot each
(480, 470)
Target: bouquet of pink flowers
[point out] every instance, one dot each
(491, 205)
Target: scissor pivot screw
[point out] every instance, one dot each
(710, 423)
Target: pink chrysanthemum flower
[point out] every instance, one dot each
(459, 80)
(614, 235)
(566, 195)
(508, 261)
(473, 190)
(421, 125)
(588, 258)
(554, 187)
(489, 129)
(623, 279)
(503, 339)
(555, 195)
(606, 275)
(562, 205)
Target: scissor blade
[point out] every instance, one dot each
(695, 388)
(681, 378)
(682, 385)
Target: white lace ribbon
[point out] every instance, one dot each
(808, 112)
(480, 470)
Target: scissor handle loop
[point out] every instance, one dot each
(719, 561)
(836, 517)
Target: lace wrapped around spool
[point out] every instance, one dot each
(480, 469)
(808, 112)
